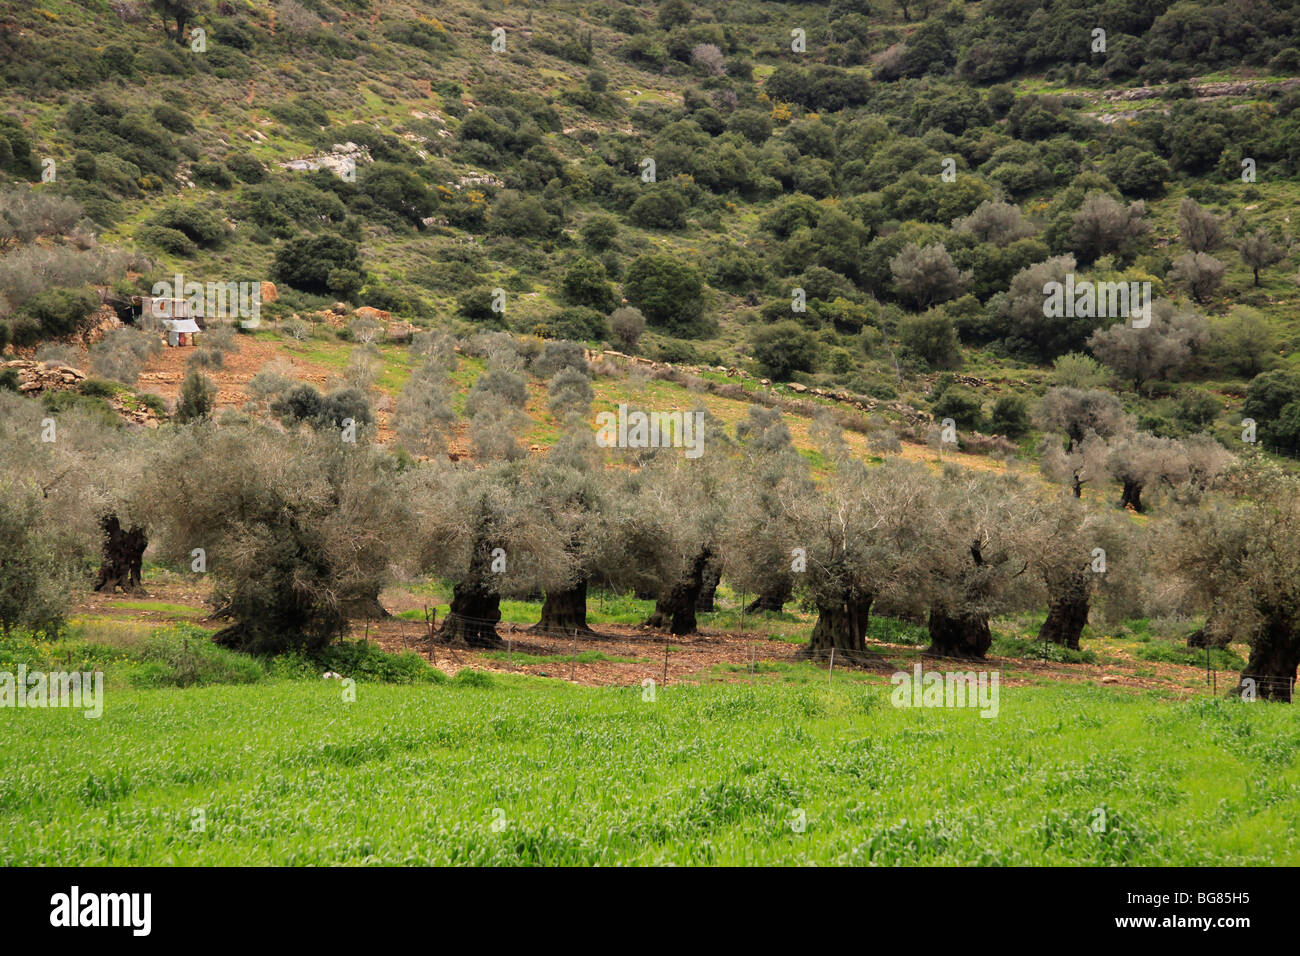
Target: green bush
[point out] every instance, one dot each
(668, 291)
(783, 348)
(963, 405)
(1010, 416)
(171, 241)
(61, 312)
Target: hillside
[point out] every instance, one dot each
(448, 169)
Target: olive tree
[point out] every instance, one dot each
(1199, 228)
(771, 486)
(863, 535)
(1084, 556)
(1258, 251)
(1075, 413)
(297, 530)
(1239, 554)
(980, 535)
(1161, 348)
(926, 275)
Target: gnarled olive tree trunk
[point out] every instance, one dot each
(709, 585)
(842, 626)
(958, 633)
(773, 599)
(1067, 609)
(475, 605)
(122, 557)
(564, 611)
(675, 610)
(1274, 656)
(1131, 495)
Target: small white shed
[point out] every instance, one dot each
(180, 331)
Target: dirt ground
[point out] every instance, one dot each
(635, 653)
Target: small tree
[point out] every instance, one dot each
(296, 529)
(783, 348)
(1198, 274)
(772, 485)
(996, 222)
(1162, 348)
(1199, 228)
(627, 325)
(977, 543)
(926, 275)
(1103, 226)
(668, 291)
(1083, 555)
(425, 414)
(198, 397)
(1258, 251)
(1242, 559)
(1075, 413)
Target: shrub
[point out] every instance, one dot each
(932, 337)
(197, 398)
(1010, 416)
(319, 264)
(577, 323)
(783, 348)
(627, 325)
(585, 283)
(60, 312)
(962, 405)
(668, 292)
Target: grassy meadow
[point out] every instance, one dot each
(505, 769)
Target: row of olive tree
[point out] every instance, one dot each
(301, 528)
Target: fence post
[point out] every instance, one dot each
(573, 661)
(831, 681)
(664, 682)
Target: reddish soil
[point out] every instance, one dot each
(640, 651)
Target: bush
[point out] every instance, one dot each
(931, 337)
(171, 241)
(1010, 416)
(577, 323)
(585, 283)
(319, 264)
(783, 348)
(204, 228)
(663, 207)
(599, 232)
(60, 312)
(627, 325)
(197, 399)
(962, 405)
(668, 291)
(36, 569)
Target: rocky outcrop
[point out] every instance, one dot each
(37, 377)
(342, 160)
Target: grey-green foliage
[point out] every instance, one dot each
(35, 572)
(926, 275)
(570, 393)
(122, 353)
(197, 399)
(424, 409)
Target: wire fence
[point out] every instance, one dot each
(521, 639)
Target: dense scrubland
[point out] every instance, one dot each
(977, 321)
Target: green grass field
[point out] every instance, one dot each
(287, 772)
